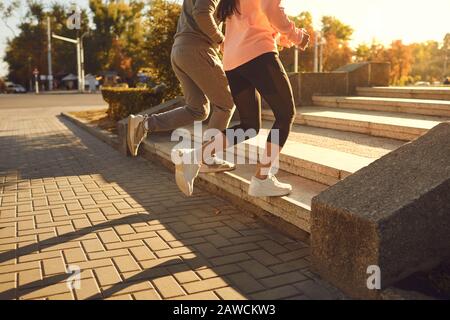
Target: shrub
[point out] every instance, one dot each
(125, 101)
(158, 41)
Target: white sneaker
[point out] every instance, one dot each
(187, 171)
(136, 133)
(270, 187)
(217, 165)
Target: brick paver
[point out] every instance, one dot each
(67, 199)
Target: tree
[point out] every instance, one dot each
(118, 36)
(400, 57)
(28, 50)
(337, 52)
(335, 27)
(115, 43)
(161, 28)
(428, 61)
(446, 49)
(363, 53)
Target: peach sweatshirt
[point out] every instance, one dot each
(256, 30)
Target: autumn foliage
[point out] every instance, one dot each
(133, 36)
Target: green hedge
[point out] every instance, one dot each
(125, 101)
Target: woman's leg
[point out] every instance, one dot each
(248, 104)
(267, 74)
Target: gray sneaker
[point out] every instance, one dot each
(136, 133)
(217, 165)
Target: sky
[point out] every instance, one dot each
(380, 20)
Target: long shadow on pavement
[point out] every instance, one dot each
(82, 154)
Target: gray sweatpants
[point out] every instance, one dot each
(200, 72)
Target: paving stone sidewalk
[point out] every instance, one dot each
(68, 199)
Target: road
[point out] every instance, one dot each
(56, 102)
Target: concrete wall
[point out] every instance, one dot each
(379, 74)
(342, 82)
(310, 83)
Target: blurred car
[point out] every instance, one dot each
(14, 88)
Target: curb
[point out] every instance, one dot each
(105, 136)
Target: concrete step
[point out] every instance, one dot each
(315, 163)
(293, 209)
(431, 93)
(398, 126)
(440, 108)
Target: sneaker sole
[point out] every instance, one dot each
(281, 194)
(130, 143)
(181, 181)
(209, 170)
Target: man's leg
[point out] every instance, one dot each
(196, 108)
(209, 76)
(203, 79)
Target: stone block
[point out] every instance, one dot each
(310, 84)
(379, 74)
(366, 74)
(359, 77)
(394, 214)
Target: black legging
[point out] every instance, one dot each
(264, 75)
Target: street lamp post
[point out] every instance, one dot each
(80, 56)
(82, 59)
(445, 64)
(49, 57)
(36, 80)
(322, 44)
(79, 72)
(316, 51)
(296, 59)
(447, 50)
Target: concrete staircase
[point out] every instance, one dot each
(331, 140)
(431, 93)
